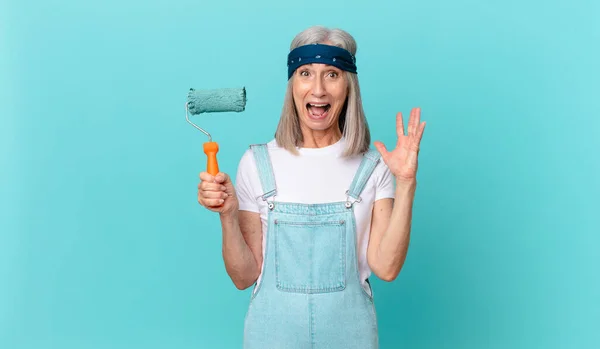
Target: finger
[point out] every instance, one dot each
(415, 142)
(411, 123)
(382, 149)
(417, 122)
(214, 195)
(399, 125)
(212, 202)
(207, 186)
(221, 177)
(420, 132)
(207, 177)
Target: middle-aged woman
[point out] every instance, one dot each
(315, 210)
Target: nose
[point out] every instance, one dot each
(318, 89)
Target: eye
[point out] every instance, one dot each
(333, 74)
(303, 73)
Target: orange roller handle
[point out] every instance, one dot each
(211, 149)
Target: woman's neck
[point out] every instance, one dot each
(320, 139)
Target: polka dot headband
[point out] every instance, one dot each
(319, 53)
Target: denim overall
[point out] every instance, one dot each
(310, 295)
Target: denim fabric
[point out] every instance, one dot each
(310, 295)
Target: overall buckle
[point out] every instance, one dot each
(349, 203)
(270, 204)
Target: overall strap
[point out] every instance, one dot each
(366, 168)
(265, 170)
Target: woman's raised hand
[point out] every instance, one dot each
(403, 159)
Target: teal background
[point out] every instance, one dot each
(103, 243)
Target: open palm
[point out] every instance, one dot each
(403, 160)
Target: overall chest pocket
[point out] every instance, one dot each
(310, 257)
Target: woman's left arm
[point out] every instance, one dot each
(390, 232)
(391, 219)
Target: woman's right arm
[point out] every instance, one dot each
(242, 247)
(241, 230)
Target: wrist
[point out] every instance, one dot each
(405, 186)
(406, 182)
(230, 215)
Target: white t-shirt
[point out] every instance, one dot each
(317, 175)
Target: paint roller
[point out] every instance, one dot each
(213, 101)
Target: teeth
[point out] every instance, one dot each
(318, 105)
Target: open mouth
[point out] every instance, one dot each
(318, 111)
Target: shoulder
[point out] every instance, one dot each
(380, 165)
(383, 180)
(381, 168)
(248, 155)
(271, 145)
(247, 162)
(273, 150)
(381, 177)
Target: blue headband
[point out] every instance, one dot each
(319, 53)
